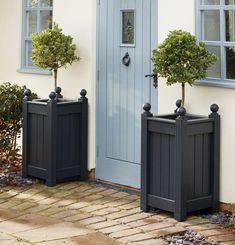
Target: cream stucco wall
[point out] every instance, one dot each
(78, 18)
(181, 15)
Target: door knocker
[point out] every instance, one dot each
(126, 59)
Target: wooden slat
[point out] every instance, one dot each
(161, 203)
(199, 203)
(195, 129)
(158, 127)
(40, 109)
(199, 147)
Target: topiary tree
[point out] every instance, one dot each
(53, 50)
(181, 60)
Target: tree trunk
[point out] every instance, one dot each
(55, 77)
(183, 94)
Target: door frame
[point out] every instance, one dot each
(154, 44)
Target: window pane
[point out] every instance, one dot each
(211, 25)
(230, 61)
(29, 46)
(32, 3)
(210, 2)
(229, 2)
(128, 26)
(46, 3)
(230, 25)
(46, 19)
(31, 22)
(214, 70)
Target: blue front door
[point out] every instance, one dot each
(126, 36)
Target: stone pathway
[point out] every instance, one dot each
(86, 213)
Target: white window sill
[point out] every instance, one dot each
(34, 71)
(216, 83)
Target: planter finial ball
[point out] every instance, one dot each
(178, 103)
(214, 108)
(182, 111)
(147, 107)
(83, 92)
(27, 92)
(52, 95)
(58, 90)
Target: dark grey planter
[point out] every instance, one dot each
(55, 138)
(180, 162)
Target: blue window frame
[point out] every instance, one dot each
(37, 16)
(216, 28)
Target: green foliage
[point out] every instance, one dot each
(11, 97)
(180, 59)
(53, 50)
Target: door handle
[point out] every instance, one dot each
(155, 79)
(126, 59)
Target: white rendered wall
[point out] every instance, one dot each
(181, 15)
(78, 19)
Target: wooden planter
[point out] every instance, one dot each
(55, 138)
(180, 162)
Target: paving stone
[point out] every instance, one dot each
(63, 194)
(78, 217)
(25, 223)
(120, 194)
(50, 211)
(228, 243)
(192, 221)
(52, 232)
(223, 238)
(124, 233)
(95, 190)
(89, 239)
(209, 233)
(93, 197)
(10, 204)
(91, 208)
(170, 231)
(119, 202)
(113, 229)
(156, 226)
(133, 217)
(143, 222)
(133, 198)
(64, 214)
(48, 201)
(202, 227)
(7, 214)
(70, 186)
(105, 200)
(106, 211)
(150, 242)
(108, 192)
(24, 206)
(123, 213)
(130, 205)
(37, 208)
(65, 202)
(137, 237)
(102, 225)
(78, 205)
(92, 220)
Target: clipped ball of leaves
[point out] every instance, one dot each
(52, 49)
(180, 59)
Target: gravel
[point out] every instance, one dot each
(188, 238)
(15, 179)
(218, 218)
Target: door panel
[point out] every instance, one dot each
(122, 90)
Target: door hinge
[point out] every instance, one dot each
(98, 2)
(98, 75)
(97, 151)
